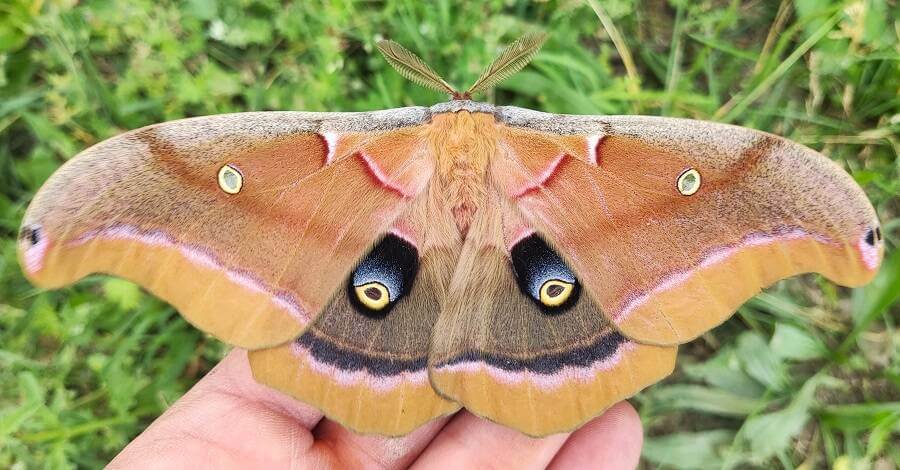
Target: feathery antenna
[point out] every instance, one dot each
(412, 67)
(511, 60)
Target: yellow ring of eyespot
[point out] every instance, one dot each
(559, 299)
(683, 182)
(375, 304)
(230, 179)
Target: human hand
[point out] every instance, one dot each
(229, 421)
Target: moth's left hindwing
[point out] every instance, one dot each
(246, 223)
(363, 361)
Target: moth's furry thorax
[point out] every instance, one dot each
(463, 144)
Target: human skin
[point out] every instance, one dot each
(228, 420)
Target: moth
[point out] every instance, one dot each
(390, 267)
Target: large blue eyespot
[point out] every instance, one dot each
(384, 276)
(543, 276)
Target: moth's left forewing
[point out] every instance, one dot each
(667, 262)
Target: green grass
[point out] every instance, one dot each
(805, 375)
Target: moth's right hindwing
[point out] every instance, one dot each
(520, 344)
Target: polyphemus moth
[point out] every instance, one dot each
(390, 267)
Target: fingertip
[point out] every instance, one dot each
(615, 438)
(628, 421)
(469, 441)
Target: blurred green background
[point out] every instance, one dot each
(806, 375)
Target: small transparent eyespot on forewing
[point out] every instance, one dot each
(688, 182)
(230, 179)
